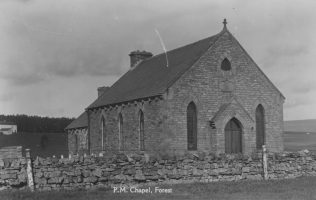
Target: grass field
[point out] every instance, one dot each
(41, 144)
(300, 188)
(295, 141)
(307, 125)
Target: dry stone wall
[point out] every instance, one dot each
(134, 169)
(11, 152)
(13, 173)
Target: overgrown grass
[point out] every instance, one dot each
(295, 141)
(300, 188)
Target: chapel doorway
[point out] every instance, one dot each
(233, 135)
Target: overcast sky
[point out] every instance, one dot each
(54, 54)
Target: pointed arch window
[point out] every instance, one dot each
(226, 66)
(103, 137)
(76, 144)
(121, 137)
(141, 131)
(260, 126)
(192, 126)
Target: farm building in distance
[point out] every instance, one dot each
(7, 128)
(206, 96)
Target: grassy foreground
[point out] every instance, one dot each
(296, 141)
(300, 188)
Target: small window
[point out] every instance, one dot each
(226, 65)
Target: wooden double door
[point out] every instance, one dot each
(233, 136)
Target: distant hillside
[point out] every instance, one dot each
(307, 125)
(27, 123)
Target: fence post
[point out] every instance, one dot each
(29, 170)
(265, 162)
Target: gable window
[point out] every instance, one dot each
(226, 66)
(192, 126)
(141, 131)
(121, 138)
(102, 133)
(260, 126)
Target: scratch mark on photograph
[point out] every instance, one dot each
(163, 46)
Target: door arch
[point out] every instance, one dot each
(233, 136)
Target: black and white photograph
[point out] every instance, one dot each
(157, 99)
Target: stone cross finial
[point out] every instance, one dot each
(224, 22)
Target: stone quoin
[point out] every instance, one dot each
(211, 96)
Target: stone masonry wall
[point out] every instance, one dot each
(78, 141)
(11, 152)
(13, 173)
(241, 89)
(137, 169)
(153, 126)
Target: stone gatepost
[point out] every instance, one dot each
(265, 162)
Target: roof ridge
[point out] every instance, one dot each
(180, 47)
(151, 77)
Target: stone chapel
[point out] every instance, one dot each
(206, 96)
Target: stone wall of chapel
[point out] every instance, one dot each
(209, 88)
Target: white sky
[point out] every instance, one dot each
(54, 54)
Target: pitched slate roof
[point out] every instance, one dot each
(80, 122)
(152, 76)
